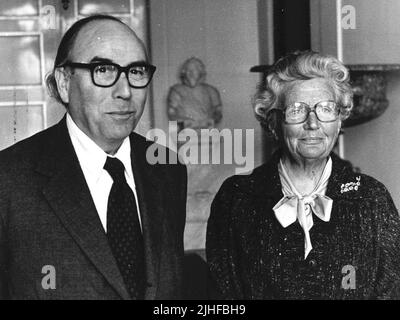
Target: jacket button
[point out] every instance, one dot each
(312, 263)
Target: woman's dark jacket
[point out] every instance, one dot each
(356, 255)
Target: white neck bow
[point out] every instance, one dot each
(293, 206)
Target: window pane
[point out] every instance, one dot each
(19, 122)
(19, 60)
(11, 96)
(19, 25)
(19, 8)
(86, 7)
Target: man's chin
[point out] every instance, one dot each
(121, 132)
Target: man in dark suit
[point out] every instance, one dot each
(83, 215)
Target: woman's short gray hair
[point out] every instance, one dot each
(300, 66)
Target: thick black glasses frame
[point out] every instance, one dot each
(309, 110)
(92, 66)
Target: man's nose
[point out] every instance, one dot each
(121, 88)
(312, 121)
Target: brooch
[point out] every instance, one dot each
(349, 186)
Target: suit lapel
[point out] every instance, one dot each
(69, 196)
(151, 205)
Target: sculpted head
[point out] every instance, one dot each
(193, 71)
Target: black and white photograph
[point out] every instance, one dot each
(200, 154)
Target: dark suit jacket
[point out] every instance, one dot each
(251, 256)
(47, 217)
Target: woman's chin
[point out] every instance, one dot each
(313, 153)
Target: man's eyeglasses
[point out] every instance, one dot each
(298, 112)
(105, 75)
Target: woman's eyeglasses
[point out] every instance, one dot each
(298, 112)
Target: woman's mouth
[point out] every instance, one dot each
(311, 140)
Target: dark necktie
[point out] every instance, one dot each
(123, 230)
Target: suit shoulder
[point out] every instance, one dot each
(24, 150)
(153, 152)
(139, 140)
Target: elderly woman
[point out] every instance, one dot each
(304, 225)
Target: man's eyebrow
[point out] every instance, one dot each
(140, 63)
(106, 60)
(100, 59)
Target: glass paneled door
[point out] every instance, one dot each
(30, 31)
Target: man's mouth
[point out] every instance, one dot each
(121, 114)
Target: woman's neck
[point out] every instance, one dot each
(304, 173)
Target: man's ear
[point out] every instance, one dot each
(62, 77)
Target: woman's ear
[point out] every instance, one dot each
(275, 125)
(62, 79)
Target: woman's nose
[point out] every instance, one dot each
(312, 121)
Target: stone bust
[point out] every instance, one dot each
(194, 103)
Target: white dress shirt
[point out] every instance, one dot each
(92, 159)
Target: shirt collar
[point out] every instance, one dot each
(91, 157)
(124, 155)
(288, 187)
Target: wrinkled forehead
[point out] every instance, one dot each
(309, 91)
(109, 40)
